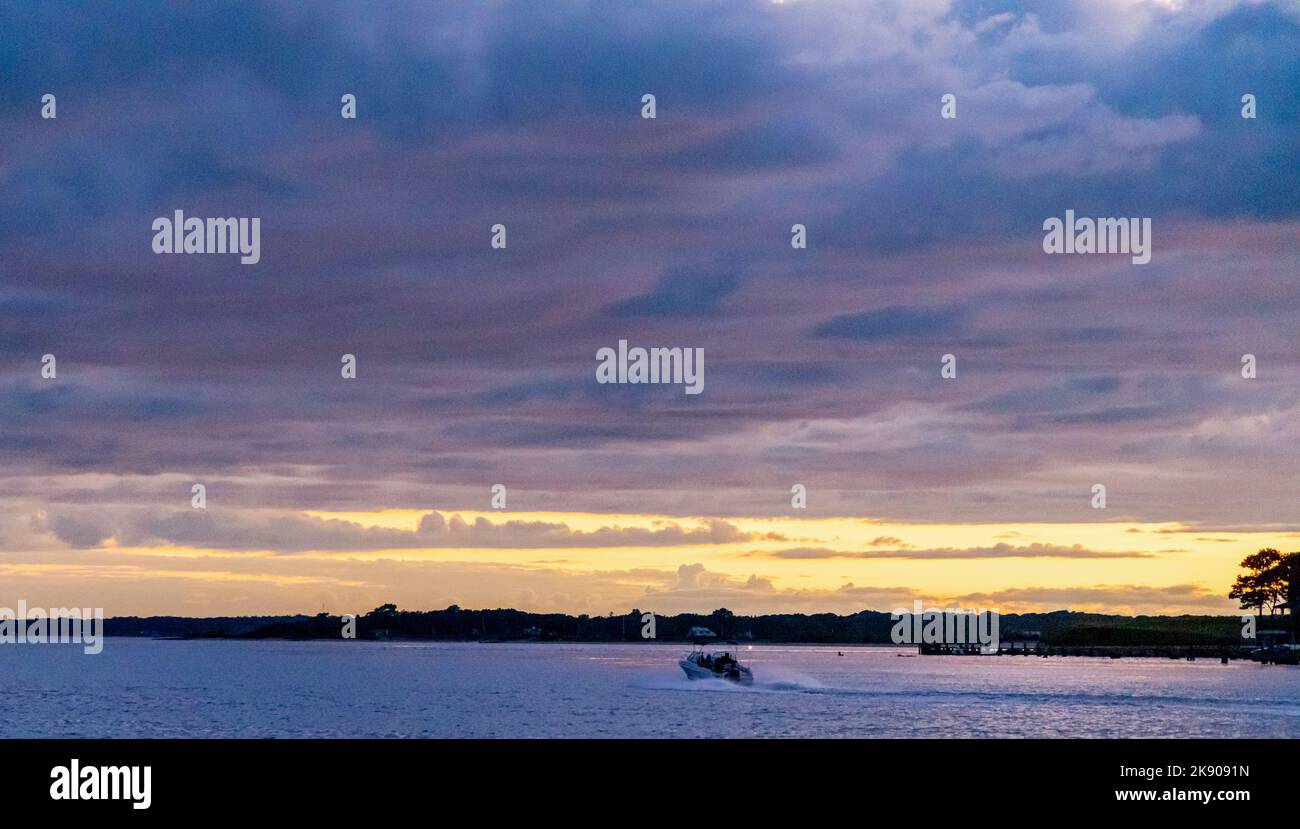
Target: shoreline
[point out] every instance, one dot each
(1192, 653)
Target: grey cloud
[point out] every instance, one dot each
(893, 323)
(1000, 550)
(291, 532)
(923, 236)
(680, 293)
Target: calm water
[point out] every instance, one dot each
(146, 688)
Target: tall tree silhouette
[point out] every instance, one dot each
(1266, 582)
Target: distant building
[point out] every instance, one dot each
(1272, 630)
(701, 633)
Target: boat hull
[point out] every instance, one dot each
(693, 671)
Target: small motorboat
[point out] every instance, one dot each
(701, 665)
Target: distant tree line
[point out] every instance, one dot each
(866, 627)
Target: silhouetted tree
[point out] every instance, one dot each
(1289, 579)
(1267, 581)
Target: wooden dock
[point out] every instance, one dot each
(1035, 648)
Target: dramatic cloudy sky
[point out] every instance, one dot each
(477, 366)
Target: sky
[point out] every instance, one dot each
(476, 366)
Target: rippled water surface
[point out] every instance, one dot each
(148, 688)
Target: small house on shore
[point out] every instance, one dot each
(1274, 629)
